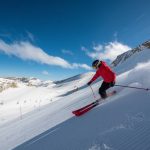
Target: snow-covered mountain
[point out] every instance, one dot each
(5, 84)
(8, 82)
(40, 118)
(26, 81)
(123, 57)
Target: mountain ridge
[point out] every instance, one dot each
(124, 56)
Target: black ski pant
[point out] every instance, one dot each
(103, 88)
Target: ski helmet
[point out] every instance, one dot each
(95, 64)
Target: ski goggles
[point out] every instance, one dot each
(94, 67)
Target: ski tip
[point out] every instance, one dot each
(76, 114)
(73, 112)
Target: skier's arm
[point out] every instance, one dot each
(94, 78)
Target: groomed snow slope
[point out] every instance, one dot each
(121, 122)
(23, 99)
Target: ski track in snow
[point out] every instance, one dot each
(41, 137)
(124, 137)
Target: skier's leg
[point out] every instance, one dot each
(103, 88)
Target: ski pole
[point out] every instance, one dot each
(92, 92)
(133, 87)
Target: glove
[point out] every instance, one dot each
(112, 83)
(89, 83)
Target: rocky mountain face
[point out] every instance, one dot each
(123, 57)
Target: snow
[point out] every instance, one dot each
(132, 62)
(39, 117)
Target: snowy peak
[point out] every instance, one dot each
(123, 57)
(7, 83)
(15, 82)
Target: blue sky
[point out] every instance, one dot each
(56, 39)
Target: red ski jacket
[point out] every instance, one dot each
(105, 72)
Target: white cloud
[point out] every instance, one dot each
(30, 35)
(139, 18)
(45, 72)
(116, 35)
(67, 52)
(84, 66)
(108, 51)
(27, 51)
(98, 48)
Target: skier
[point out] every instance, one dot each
(109, 77)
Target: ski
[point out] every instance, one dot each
(88, 107)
